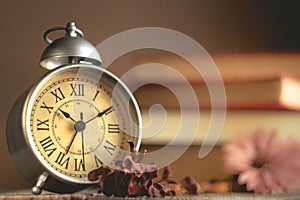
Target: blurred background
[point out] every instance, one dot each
(235, 33)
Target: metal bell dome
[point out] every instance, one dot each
(71, 48)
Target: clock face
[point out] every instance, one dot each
(79, 118)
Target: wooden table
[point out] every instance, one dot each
(92, 195)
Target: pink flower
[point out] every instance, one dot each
(263, 162)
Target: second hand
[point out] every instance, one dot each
(82, 139)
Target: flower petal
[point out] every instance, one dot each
(238, 155)
(250, 178)
(283, 178)
(261, 188)
(266, 143)
(269, 181)
(277, 162)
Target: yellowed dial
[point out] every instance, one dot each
(78, 119)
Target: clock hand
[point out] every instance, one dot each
(79, 127)
(67, 115)
(82, 139)
(82, 147)
(81, 116)
(106, 111)
(71, 142)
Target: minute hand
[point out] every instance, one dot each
(107, 110)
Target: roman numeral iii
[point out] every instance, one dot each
(113, 128)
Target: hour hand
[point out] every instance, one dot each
(66, 115)
(106, 111)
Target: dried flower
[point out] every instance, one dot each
(166, 186)
(263, 162)
(170, 188)
(131, 178)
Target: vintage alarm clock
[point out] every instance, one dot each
(76, 118)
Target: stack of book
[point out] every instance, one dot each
(262, 91)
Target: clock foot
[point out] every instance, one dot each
(37, 189)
